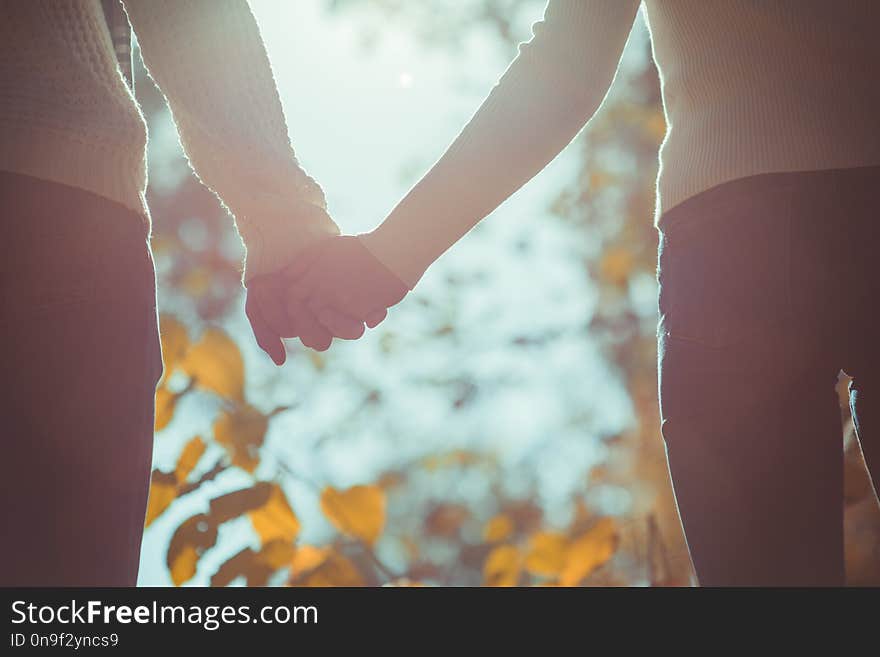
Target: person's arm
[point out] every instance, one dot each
(208, 59)
(545, 97)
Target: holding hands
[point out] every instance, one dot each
(334, 288)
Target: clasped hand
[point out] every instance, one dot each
(333, 289)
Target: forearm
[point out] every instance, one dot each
(544, 98)
(208, 59)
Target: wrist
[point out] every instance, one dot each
(393, 252)
(274, 242)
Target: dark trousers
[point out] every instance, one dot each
(81, 357)
(768, 288)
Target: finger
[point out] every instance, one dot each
(339, 324)
(376, 317)
(311, 333)
(270, 300)
(267, 340)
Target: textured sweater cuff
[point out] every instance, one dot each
(274, 240)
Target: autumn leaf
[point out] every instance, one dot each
(175, 342)
(502, 566)
(616, 265)
(187, 544)
(275, 519)
(166, 401)
(238, 565)
(306, 558)
(237, 503)
(163, 491)
(241, 433)
(255, 567)
(215, 364)
(196, 282)
(525, 514)
(446, 520)
(189, 458)
(276, 553)
(335, 570)
(358, 512)
(498, 529)
(655, 126)
(589, 551)
(547, 554)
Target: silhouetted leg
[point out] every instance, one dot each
(756, 466)
(80, 353)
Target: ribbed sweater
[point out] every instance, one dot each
(748, 86)
(67, 115)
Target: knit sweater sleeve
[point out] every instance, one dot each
(208, 59)
(552, 88)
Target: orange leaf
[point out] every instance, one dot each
(241, 432)
(238, 502)
(215, 364)
(336, 570)
(187, 544)
(275, 519)
(358, 512)
(189, 458)
(163, 491)
(276, 554)
(308, 557)
(547, 554)
(175, 342)
(166, 401)
(502, 566)
(591, 550)
(617, 264)
(498, 528)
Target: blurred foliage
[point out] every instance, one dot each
(419, 510)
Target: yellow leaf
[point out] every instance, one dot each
(308, 557)
(275, 520)
(502, 566)
(165, 404)
(175, 342)
(189, 458)
(197, 281)
(183, 567)
(276, 554)
(337, 570)
(616, 265)
(189, 541)
(591, 550)
(358, 511)
(655, 126)
(241, 432)
(163, 491)
(215, 364)
(498, 528)
(547, 554)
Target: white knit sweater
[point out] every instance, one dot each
(66, 114)
(749, 87)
